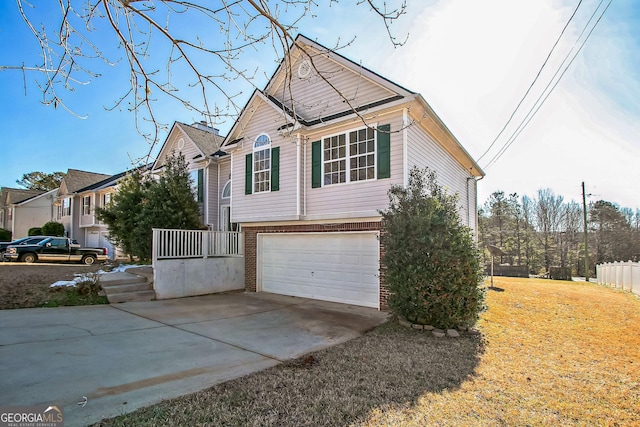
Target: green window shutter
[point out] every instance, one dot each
(200, 185)
(275, 169)
(316, 164)
(384, 151)
(248, 174)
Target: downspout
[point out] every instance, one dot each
(298, 176)
(405, 147)
(304, 179)
(475, 183)
(71, 210)
(217, 226)
(205, 191)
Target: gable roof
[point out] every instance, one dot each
(10, 196)
(53, 193)
(327, 98)
(76, 180)
(313, 84)
(206, 141)
(112, 180)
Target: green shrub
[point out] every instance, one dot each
(5, 235)
(431, 264)
(53, 228)
(35, 231)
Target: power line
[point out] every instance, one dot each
(538, 104)
(532, 83)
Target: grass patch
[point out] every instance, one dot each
(551, 353)
(70, 296)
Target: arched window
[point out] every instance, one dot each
(226, 190)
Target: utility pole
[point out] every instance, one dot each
(586, 236)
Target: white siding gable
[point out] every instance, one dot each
(313, 98)
(273, 205)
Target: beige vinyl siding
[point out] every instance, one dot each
(315, 99)
(212, 195)
(356, 199)
(223, 171)
(273, 205)
(189, 151)
(423, 151)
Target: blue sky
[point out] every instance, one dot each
(472, 61)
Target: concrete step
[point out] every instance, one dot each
(125, 287)
(120, 278)
(122, 288)
(132, 296)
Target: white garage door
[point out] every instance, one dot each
(339, 267)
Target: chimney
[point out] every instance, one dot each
(202, 125)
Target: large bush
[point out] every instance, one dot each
(53, 228)
(431, 263)
(5, 235)
(34, 231)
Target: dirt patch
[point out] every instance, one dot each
(27, 285)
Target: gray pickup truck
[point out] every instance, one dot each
(55, 249)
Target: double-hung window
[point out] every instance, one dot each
(86, 205)
(262, 168)
(349, 157)
(262, 164)
(66, 207)
(357, 155)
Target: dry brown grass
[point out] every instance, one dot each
(555, 353)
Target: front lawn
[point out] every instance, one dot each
(551, 353)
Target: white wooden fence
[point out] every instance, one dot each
(173, 244)
(622, 275)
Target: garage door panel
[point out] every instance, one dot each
(340, 267)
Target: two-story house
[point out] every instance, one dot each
(21, 210)
(312, 157)
(71, 206)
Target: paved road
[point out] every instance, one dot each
(126, 356)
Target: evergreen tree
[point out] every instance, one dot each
(142, 204)
(122, 214)
(170, 203)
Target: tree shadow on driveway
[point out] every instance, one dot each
(390, 367)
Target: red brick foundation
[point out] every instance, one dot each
(251, 246)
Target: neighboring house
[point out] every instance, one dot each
(91, 197)
(309, 175)
(22, 209)
(69, 202)
(210, 169)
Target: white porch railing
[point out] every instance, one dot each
(622, 275)
(171, 244)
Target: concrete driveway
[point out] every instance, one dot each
(122, 357)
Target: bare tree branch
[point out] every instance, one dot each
(167, 59)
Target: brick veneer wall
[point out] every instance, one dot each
(251, 246)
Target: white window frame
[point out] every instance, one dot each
(86, 205)
(261, 164)
(343, 160)
(226, 189)
(66, 206)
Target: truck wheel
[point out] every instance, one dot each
(88, 260)
(29, 258)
